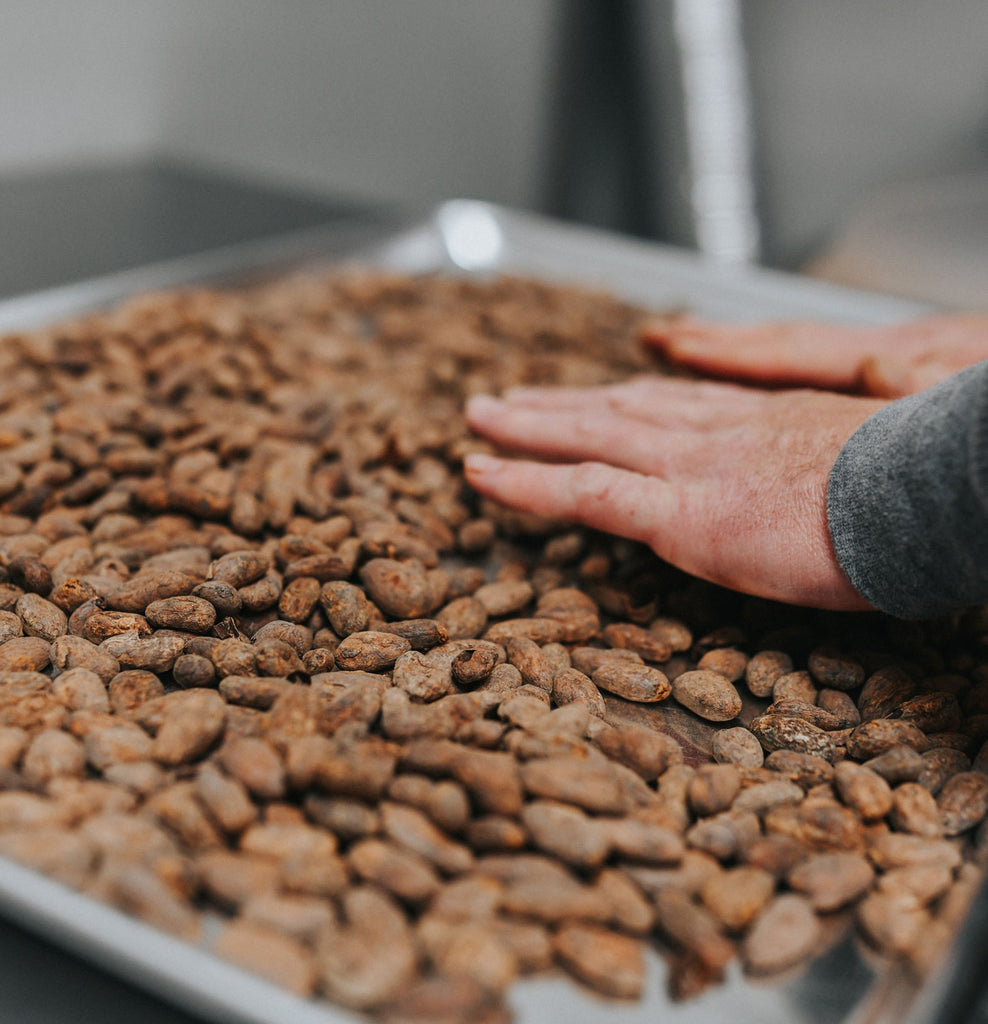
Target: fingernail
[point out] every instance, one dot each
(655, 334)
(476, 464)
(683, 346)
(885, 381)
(481, 404)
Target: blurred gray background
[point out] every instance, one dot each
(573, 107)
(847, 138)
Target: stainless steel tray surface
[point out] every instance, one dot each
(845, 985)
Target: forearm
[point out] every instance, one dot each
(908, 500)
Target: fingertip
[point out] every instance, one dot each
(685, 348)
(481, 407)
(684, 340)
(875, 379)
(479, 467)
(658, 333)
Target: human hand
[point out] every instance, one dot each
(889, 360)
(726, 482)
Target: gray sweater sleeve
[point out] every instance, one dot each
(907, 500)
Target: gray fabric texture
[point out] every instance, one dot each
(907, 500)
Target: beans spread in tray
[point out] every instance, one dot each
(268, 664)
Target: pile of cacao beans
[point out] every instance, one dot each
(274, 680)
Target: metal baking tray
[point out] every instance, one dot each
(846, 985)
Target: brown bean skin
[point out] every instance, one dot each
(611, 963)
(638, 683)
(136, 594)
(863, 790)
(828, 668)
(40, 617)
(708, 694)
(963, 802)
(346, 607)
(778, 732)
(299, 598)
(645, 751)
(915, 810)
(736, 897)
(193, 670)
(737, 746)
(400, 589)
(68, 652)
(473, 665)
(726, 661)
(632, 637)
(25, 654)
(784, 933)
(764, 668)
(877, 735)
(192, 614)
(884, 691)
(832, 880)
(463, 617)
(273, 674)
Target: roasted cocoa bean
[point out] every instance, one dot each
(832, 880)
(736, 897)
(612, 964)
(208, 560)
(191, 614)
(737, 746)
(915, 810)
(883, 692)
(863, 790)
(707, 693)
(570, 684)
(877, 735)
(639, 683)
(779, 732)
(963, 802)
(829, 669)
(797, 686)
(786, 932)
(726, 661)
(763, 669)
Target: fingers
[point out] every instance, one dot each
(703, 405)
(744, 507)
(646, 426)
(666, 402)
(597, 435)
(694, 528)
(890, 360)
(827, 355)
(602, 497)
(561, 398)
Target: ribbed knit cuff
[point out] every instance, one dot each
(907, 500)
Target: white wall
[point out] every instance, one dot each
(411, 101)
(854, 93)
(416, 100)
(77, 81)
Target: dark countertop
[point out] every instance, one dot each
(42, 984)
(62, 226)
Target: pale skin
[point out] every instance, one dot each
(724, 480)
